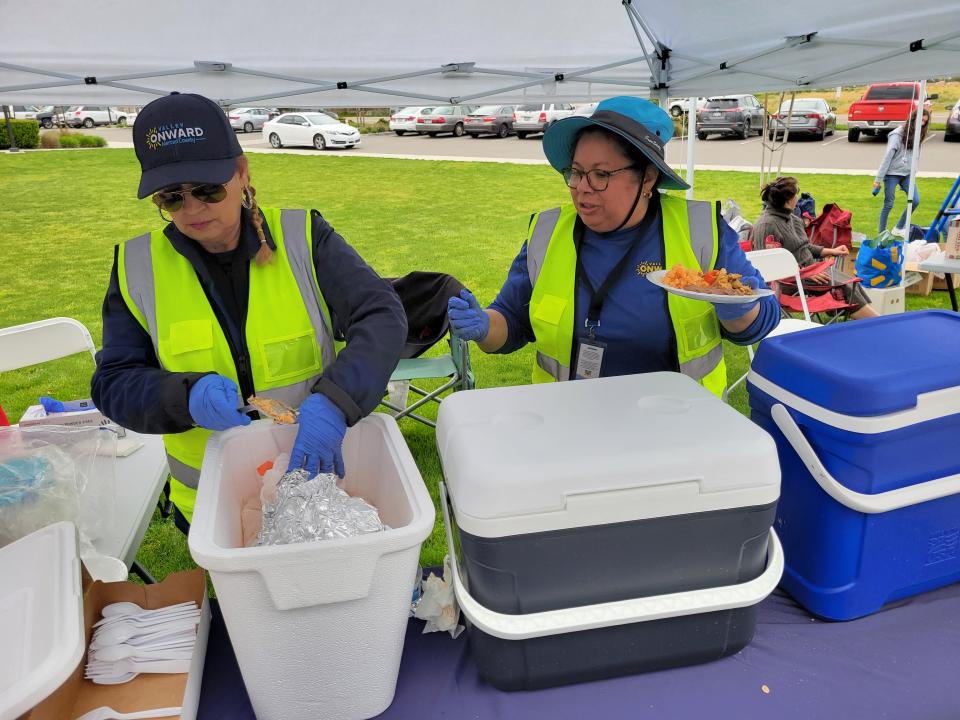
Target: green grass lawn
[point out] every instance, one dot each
(62, 212)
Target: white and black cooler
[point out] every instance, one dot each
(606, 527)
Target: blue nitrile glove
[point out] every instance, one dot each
(733, 311)
(213, 403)
(467, 318)
(319, 443)
(51, 405)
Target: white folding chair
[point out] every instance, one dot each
(777, 264)
(43, 341)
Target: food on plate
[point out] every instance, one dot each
(714, 282)
(279, 411)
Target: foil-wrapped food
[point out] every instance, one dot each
(307, 508)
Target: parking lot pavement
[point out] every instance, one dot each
(832, 154)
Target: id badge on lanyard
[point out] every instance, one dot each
(589, 355)
(590, 350)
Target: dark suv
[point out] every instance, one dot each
(730, 115)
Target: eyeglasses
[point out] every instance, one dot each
(172, 200)
(596, 179)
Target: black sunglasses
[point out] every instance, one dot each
(172, 200)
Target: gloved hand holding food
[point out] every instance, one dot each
(213, 403)
(319, 444)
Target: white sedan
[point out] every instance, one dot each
(309, 128)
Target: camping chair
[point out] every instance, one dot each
(776, 264)
(43, 341)
(823, 301)
(424, 296)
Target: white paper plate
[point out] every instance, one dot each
(657, 279)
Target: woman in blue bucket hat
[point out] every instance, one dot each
(577, 288)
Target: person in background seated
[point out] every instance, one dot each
(777, 219)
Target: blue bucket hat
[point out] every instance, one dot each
(641, 123)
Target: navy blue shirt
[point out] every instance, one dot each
(634, 321)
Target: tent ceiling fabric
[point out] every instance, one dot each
(287, 54)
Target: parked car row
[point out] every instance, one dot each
(499, 120)
(86, 116)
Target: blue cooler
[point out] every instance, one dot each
(866, 417)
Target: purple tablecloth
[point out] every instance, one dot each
(902, 663)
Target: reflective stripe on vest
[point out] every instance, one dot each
(287, 350)
(691, 238)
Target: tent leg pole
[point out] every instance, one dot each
(13, 142)
(691, 139)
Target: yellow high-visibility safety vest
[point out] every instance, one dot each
(288, 330)
(691, 238)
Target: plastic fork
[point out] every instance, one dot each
(147, 621)
(122, 631)
(108, 713)
(151, 652)
(128, 665)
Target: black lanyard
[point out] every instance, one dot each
(598, 296)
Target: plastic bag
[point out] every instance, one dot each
(51, 473)
(730, 210)
(880, 261)
(438, 605)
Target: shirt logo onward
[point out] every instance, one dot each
(648, 267)
(173, 134)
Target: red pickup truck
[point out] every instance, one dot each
(884, 107)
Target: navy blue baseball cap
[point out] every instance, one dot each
(183, 139)
(641, 123)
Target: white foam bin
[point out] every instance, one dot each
(317, 627)
(41, 616)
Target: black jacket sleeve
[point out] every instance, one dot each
(366, 309)
(128, 386)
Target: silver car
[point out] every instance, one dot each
(490, 120)
(248, 119)
(808, 116)
(444, 119)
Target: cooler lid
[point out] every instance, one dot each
(541, 457)
(41, 616)
(862, 368)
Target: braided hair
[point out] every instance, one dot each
(264, 253)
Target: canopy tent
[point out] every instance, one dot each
(377, 54)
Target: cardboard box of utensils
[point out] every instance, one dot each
(146, 691)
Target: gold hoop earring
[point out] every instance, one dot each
(246, 198)
(162, 216)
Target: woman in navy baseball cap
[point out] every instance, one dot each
(577, 288)
(228, 299)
